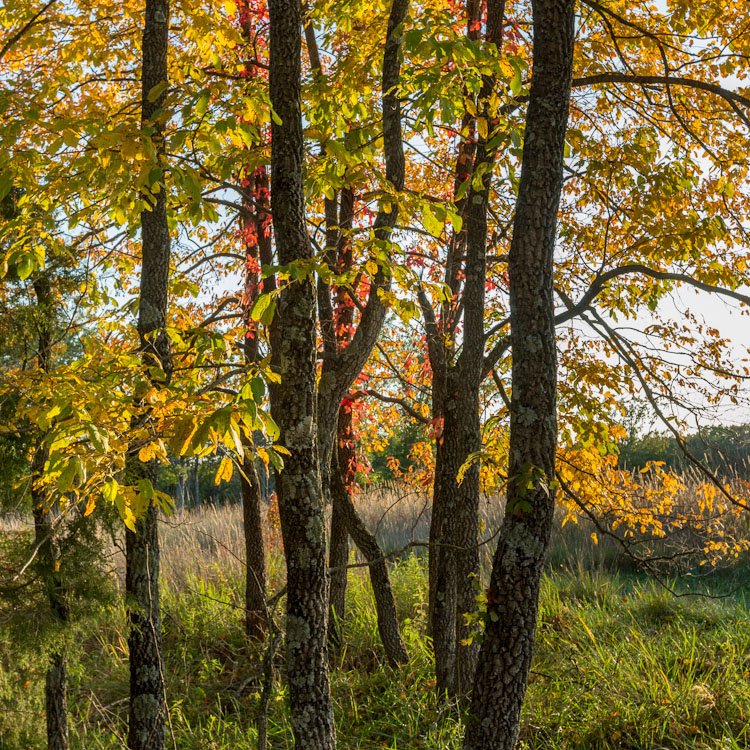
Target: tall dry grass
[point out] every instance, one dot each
(208, 544)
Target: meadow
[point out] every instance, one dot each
(621, 661)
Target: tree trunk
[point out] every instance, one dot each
(505, 657)
(48, 557)
(456, 563)
(196, 484)
(255, 223)
(346, 354)
(147, 709)
(340, 476)
(56, 681)
(299, 490)
(56, 701)
(255, 559)
(456, 505)
(147, 699)
(338, 559)
(345, 515)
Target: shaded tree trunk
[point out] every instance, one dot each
(255, 221)
(255, 559)
(454, 554)
(196, 484)
(147, 699)
(48, 557)
(147, 709)
(341, 478)
(348, 523)
(338, 559)
(298, 486)
(505, 657)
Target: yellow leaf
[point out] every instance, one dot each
(230, 7)
(372, 267)
(183, 435)
(482, 127)
(146, 453)
(225, 470)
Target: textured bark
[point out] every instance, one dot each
(456, 550)
(505, 657)
(56, 702)
(56, 680)
(147, 700)
(255, 559)
(48, 556)
(345, 515)
(299, 490)
(146, 719)
(338, 560)
(454, 555)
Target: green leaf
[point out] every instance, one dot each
(25, 267)
(267, 315)
(6, 183)
(259, 306)
(202, 104)
(433, 225)
(157, 91)
(259, 389)
(516, 82)
(110, 490)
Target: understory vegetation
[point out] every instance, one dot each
(621, 661)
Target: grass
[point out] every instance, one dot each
(620, 662)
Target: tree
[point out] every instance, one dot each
(454, 531)
(299, 489)
(347, 347)
(56, 688)
(147, 698)
(512, 597)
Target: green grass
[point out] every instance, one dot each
(620, 663)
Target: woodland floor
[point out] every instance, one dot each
(620, 663)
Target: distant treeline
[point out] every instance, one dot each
(723, 449)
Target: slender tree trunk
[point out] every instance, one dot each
(255, 221)
(455, 566)
(48, 558)
(147, 699)
(346, 356)
(56, 680)
(505, 658)
(180, 492)
(255, 559)
(340, 476)
(345, 522)
(338, 560)
(299, 489)
(457, 559)
(390, 633)
(147, 709)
